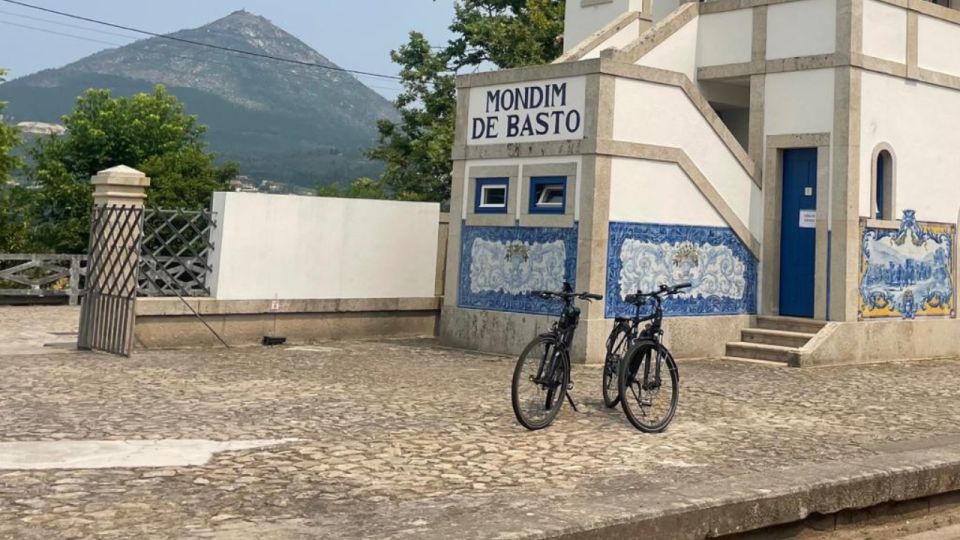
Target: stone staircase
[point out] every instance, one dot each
(774, 340)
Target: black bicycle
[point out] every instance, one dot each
(649, 380)
(626, 331)
(541, 379)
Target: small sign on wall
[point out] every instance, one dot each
(808, 219)
(535, 111)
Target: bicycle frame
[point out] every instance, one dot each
(561, 334)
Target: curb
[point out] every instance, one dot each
(761, 500)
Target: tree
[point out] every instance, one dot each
(150, 132)
(8, 140)
(505, 33)
(361, 188)
(13, 228)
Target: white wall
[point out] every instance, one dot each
(583, 19)
(662, 8)
(677, 53)
(663, 115)
(725, 38)
(289, 247)
(918, 121)
(627, 35)
(803, 28)
(639, 190)
(884, 31)
(799, 102)
(939, 42)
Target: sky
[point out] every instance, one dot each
(355, 34)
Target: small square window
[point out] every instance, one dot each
(548, 195)
(491, 196)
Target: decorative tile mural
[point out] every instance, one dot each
(908, 271)
(643, 256)
(499, 264)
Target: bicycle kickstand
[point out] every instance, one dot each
(572, 404)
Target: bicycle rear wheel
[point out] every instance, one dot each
(616, 347)
(540, 381)
(649, 387)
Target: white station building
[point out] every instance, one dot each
(794, 159)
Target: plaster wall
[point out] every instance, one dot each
(621, 39)
(804, 28)
(662, 8)
(938, 43)
(799, 102)
(639, 189)
(677, 53)
(725, 38)
(584, 17)
(913, 119)
(641, 118)
(885, 31)
(284, 246)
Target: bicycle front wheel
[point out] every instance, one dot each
(540, 381)
(649, 386)
(616, 348)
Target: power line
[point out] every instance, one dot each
(115, 44)
(64, 34)
(67, 25)
(202, 44)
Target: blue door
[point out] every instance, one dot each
(798, 234)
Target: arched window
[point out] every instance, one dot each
(883, 179)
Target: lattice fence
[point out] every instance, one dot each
(42, 275)
(174, 255)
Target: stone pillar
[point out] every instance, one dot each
(107, 315)
(120, 186)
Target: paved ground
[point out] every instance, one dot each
(37, 330)
(397, 436)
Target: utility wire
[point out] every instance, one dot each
(202, 44)
(67, 25)
(64, 34)
(115, 44)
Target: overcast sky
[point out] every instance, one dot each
(356, 34)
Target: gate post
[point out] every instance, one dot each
(107, 313)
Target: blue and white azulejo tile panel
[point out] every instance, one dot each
(499, 265)
(907, 271)
(643, 256)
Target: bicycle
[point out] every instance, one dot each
(544, 365)
(626, 331)
(641, 379)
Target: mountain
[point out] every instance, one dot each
(281, 121)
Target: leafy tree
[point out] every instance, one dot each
(361, 188)
(150, 132)
(8, 140)
(505, 33)
(13, 226)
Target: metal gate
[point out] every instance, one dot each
(107, 312)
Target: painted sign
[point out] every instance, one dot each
(538, 111)
(808, 219)
(908, 271)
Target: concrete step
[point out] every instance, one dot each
(790, 324)
(766, 363)
(780, 338)
(758, 351)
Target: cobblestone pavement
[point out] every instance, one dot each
(395, 428)
(38, 330)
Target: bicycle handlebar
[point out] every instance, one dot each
(639, 298)
(566, 295)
